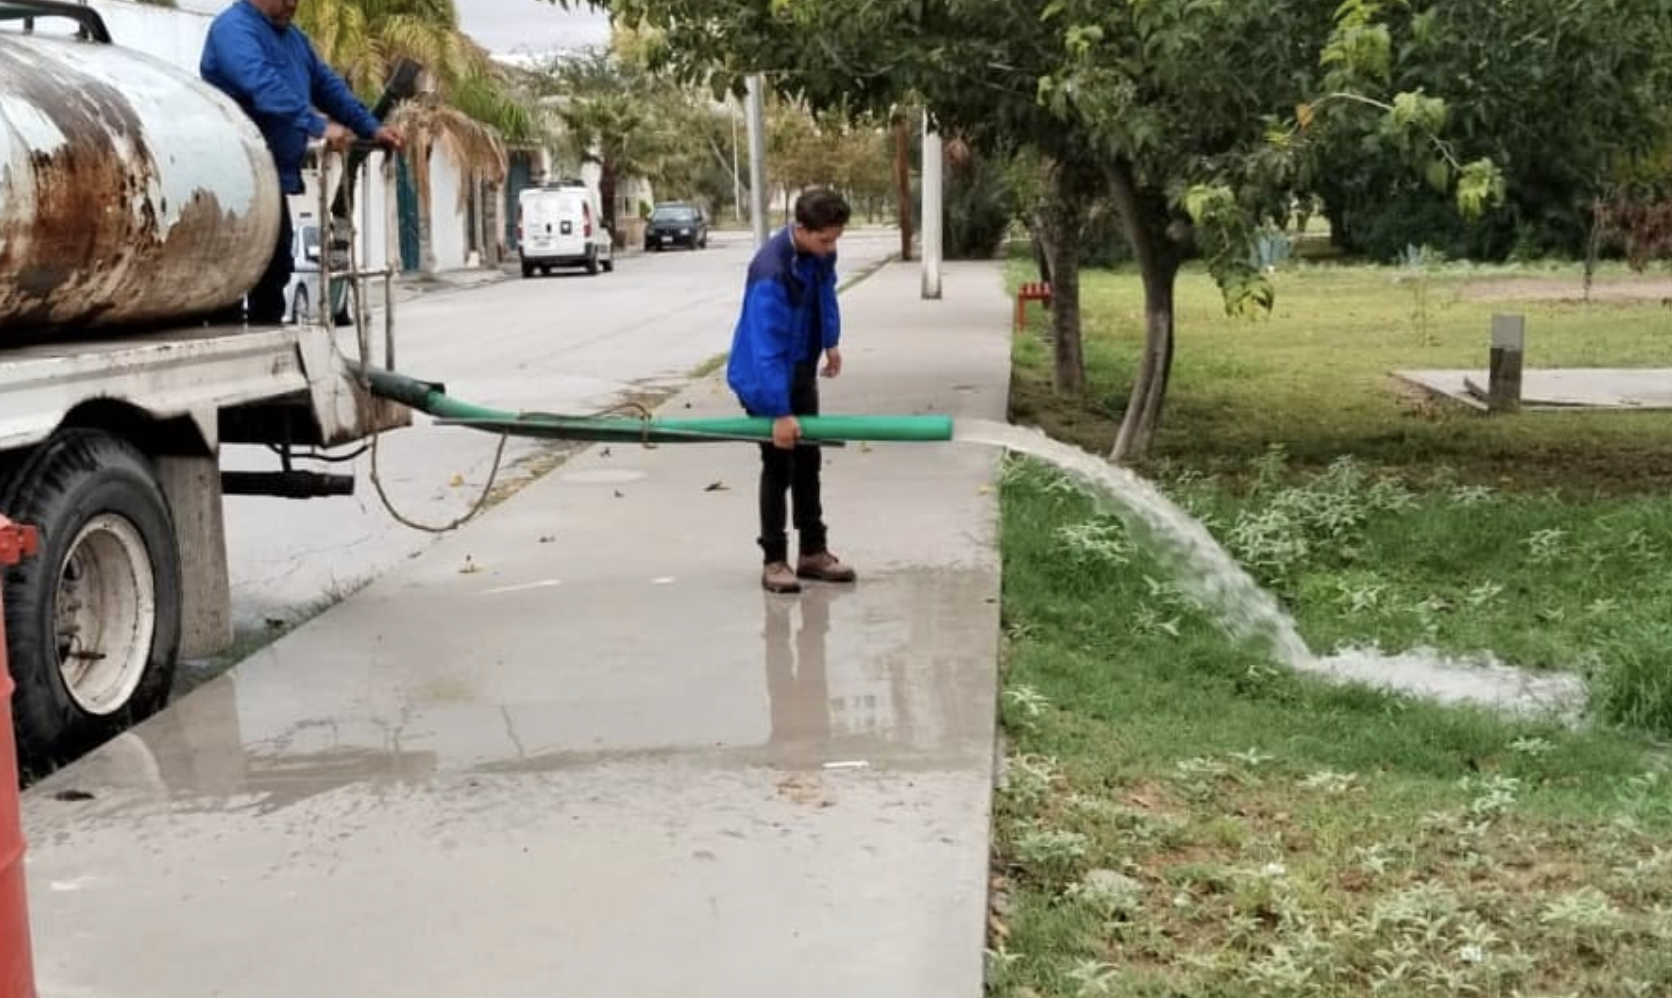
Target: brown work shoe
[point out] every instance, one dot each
(824, 567)
(776, 577)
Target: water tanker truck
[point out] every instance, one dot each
(136, 204)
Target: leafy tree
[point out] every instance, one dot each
(805, 148)
(1558, 94)
(975, 63)
(865, 166)
(1176, 110)
(1187, 100)
(429, 124)
(364, 39)
(626, 120)
(979, 204)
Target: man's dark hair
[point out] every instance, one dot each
(821, 208)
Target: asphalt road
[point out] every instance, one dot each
(566, 343)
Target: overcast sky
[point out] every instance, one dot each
(504, 26)
(532, 26)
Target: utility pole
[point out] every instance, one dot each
(757, 158)
(932, 168)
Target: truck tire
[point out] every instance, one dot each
(93, 620)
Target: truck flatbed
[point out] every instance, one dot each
(193, 372)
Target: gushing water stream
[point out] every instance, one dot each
(1208, 574)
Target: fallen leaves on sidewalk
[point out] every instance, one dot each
(805, 788)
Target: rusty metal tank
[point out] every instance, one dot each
(131, 192)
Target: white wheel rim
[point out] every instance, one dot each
(106, 614)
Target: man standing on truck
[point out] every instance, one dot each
(265, 63)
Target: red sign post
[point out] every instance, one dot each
(17, 972)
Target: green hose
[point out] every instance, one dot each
(432, 398)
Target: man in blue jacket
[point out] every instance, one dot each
(789, 320)
(265, 63)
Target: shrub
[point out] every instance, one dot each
(979, 208)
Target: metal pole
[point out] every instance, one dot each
(757, 159)
(931, 210)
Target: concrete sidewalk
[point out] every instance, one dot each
(573, 750)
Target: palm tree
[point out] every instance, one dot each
(430, 124)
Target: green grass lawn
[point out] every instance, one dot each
(1181, 817)
(1315, 375)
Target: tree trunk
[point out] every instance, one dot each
(1068, 371)
(479, 217)
(1147, 222)
(606, 193)
(1057, 224)
(902, 181)
(1149, 390)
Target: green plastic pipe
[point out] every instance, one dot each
(432, 398)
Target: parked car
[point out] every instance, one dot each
(305, 293)
(676, 223)
(560, 225)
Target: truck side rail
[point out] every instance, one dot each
(92, 26)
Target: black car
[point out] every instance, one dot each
(676, 223)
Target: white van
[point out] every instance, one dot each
(559, 225)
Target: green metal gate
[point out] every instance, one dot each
(406, 213)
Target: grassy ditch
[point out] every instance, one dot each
(1181, 818)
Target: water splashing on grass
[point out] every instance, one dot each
(1207, 573)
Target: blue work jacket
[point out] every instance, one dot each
(277, 78)
(789, 317)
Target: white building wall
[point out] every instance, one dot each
(447, 219)
(174, 36)
(378, 225)
(374, 214)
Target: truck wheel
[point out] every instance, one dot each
(527, 269)
(93, 620)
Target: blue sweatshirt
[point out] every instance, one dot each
(275, 76)
(789, 318)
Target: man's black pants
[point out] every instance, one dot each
(795, 472)
(266, 306)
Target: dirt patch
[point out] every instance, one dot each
(1632, 289)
